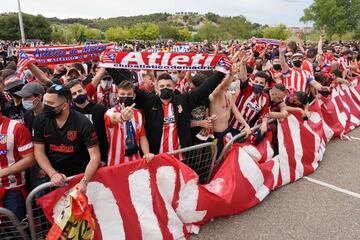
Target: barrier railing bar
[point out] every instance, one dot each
(237, 137)
(29, 207)
(200, 146)
(14, 220)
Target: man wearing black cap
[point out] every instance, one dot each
(14, 109)
(32, 94)
(65, 142)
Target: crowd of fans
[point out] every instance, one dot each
(66, 119)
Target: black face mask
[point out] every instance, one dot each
(277, 67)
(80, 99)
(50, 112)
(166, 93)
(297, 63)
(127, 101)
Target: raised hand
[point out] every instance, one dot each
(127, 112)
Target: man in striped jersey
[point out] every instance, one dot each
(295, 78)
(16, 155)
(252, 102)
(125, 129)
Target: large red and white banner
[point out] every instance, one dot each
(163, 199)
(159, 60)
(66, 53)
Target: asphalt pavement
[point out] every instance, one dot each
(304, 209)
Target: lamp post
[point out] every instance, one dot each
(21, 24)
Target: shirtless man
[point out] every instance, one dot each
(222, 103)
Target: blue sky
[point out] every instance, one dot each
(271, 12)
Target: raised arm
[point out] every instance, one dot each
(222, 87)
(97, 78)
(242, 69)
(321, 42)
(284, 65)
(195, 97)
(300, 43)
(40, 75)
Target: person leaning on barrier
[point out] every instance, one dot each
(16, 156)
(65, 141)
(125, 128)
(32, 95)
(167, 116)
(252, 102)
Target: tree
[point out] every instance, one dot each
(57, 34)
(77, 32)
(117, 34)
(92, 33)
(279, 32)
(183, 35)
(35, 27)
(208, 31)
(235, 28)
(212, 17)
(145, 31)
(167, 31)
(336, 16)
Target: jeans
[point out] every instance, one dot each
(14, 201)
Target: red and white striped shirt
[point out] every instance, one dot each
(108, 98)
(117, 135)
(345, 64)
(297, 79)
(249, 105)
(170, 137)
(308, 66)
(183, 86)
(15, 140)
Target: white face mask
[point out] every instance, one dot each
(174, 77)
(105, 84)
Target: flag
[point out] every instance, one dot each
(224, 65)
(23, 61)
(163, 199)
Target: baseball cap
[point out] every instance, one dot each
(11, 82)
(73, 70)
(31, 89)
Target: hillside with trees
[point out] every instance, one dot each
(181, 26)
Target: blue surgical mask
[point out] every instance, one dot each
(28, 104)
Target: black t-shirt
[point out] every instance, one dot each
(95, 113)
(29, 120)
(66, 147)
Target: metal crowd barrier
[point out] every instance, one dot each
(201, 158)
(10, 227)
(38, 224)
(235, 139)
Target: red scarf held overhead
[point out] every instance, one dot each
(160, 60)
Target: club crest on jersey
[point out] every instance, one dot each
(180, 109)
(3, 152)
(3, 138)
(71, 135)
